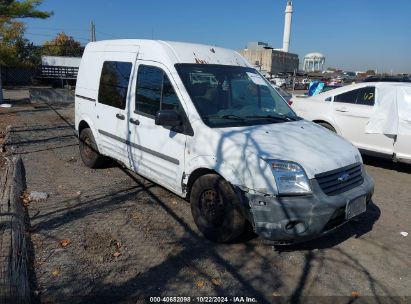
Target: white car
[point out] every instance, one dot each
(374, 116)
(200, 121)
(281, 82)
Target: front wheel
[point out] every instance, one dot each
(216, 209)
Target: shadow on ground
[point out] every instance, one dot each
(169, 256)
(386, 164)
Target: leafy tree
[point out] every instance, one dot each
(11, 31)
(13, 9)
(14, 48)
(63, 45)
(11, 41)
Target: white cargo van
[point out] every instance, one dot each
(201, 122)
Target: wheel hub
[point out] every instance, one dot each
(88, 151)
(212, 207)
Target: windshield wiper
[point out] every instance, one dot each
(228, 116)
(272, 117)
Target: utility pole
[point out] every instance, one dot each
(92, 32)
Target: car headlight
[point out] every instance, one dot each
(290, 177)
(358, 157)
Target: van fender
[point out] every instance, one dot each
(208, 162)
(259, 179)
(89, 121)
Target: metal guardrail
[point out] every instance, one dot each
(57, 72)
(26, 76)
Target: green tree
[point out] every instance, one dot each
(11, 41)
(63, 45)
(13, 9)
(13, 45)
(12, 31)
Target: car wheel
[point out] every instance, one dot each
(89, 151)
(327, 126)
(216, 209)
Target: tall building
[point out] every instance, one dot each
(287, 26)
(270, 60)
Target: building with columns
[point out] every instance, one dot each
(314, 62)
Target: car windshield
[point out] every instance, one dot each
(228, 96)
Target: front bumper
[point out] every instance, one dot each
(300, 218)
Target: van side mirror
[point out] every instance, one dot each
(168, 118)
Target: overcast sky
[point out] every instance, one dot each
(352, 34)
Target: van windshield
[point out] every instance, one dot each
(228, 96)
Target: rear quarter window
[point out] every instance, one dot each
(366, 96)
(348, 97)
(114, 82)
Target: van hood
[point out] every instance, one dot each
(315, 148)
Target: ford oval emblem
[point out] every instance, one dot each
(343, 178)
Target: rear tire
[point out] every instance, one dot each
(216, 209)
(327, 126)
(89, 151)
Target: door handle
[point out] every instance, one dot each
(134, 121)
(120, 116)
(342, 110)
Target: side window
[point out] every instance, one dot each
(348, 97)
(169, 100)
(148, 96)
(154, 91)
(114, 83)
(366, 96)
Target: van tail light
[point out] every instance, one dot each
(290, 102)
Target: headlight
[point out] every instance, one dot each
(358, 157)
(290, 177)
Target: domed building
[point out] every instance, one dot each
(314, 62)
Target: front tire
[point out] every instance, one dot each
(327, 126)
(89, 151)
(216, 209)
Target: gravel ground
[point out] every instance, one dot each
(109, 235)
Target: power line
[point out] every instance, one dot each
(106, 34)
(69, 30)
(58, 29)
(53, 36)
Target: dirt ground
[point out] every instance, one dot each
(110, 236)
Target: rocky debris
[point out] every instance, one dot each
(37, 196)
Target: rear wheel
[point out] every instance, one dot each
(216, 209)
(327, 126)
(89, 151)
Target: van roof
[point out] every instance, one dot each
(176, 52)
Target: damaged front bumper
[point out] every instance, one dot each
(299, 218)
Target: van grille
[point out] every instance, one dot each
(340, 180)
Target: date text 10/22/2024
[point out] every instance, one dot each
(202, 300)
